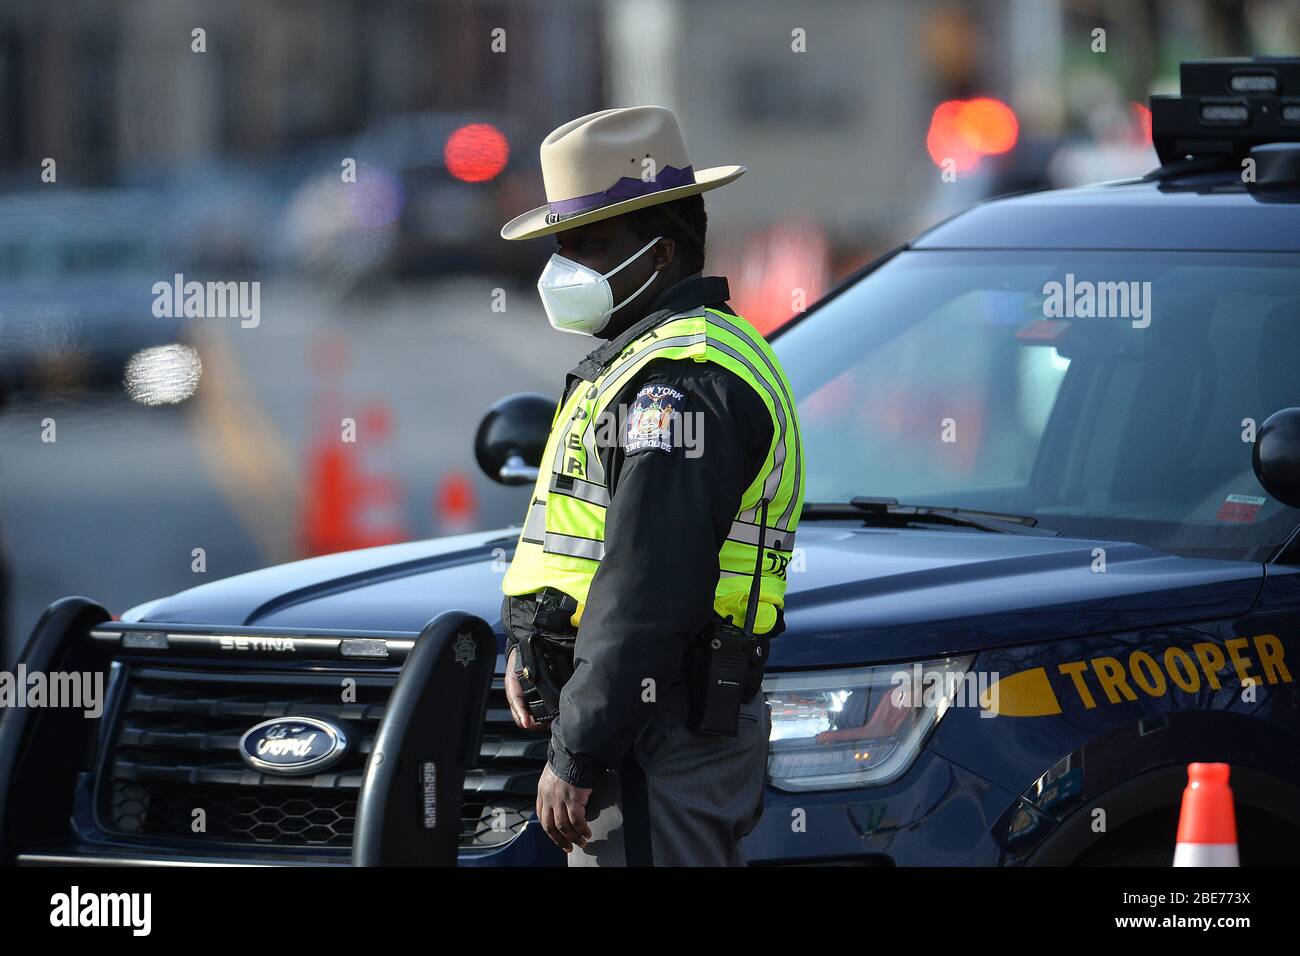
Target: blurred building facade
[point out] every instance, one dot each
(115, 87)
(827, 101)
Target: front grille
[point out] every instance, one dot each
(173, 769)
(235, 815)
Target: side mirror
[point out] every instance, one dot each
(1276, 456)
(512, 437)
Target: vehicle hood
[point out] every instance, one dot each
(855, 595)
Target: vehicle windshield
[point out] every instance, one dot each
(1108, 394)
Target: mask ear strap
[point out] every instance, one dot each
(640, 252)
(644, 285)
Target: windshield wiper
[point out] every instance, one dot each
(887, 512)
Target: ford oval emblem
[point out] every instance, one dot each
(293, 745)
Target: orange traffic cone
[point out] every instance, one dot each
(1207, 826)
(377, 511)
(455, 505)
(326, 514)
(331, 479)
(353, 498)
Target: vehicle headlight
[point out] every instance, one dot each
(858, 727)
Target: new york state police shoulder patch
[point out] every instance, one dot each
(652, 419)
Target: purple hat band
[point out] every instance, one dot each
(628, 187)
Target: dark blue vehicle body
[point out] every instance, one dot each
(976, 794)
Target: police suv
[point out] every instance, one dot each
(1049, 556)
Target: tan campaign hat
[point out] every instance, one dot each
(611, 162)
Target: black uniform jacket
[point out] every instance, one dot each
(669, 512)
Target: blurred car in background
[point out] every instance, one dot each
(221, 212)
(425, 199)
(428, 194)
(77, 269)
(983, 154)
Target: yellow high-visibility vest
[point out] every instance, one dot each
(562, 541)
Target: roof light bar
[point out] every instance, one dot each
(1227, 106)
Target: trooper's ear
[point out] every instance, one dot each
(664, 251)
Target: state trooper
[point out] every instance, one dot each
(650, 572)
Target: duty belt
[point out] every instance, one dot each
(554, 611)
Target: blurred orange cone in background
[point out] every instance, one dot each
(325, 505)
(779, 273)
(1207, 825)
(379, 498)
(455, 507)
(353, 498)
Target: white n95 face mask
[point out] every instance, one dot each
(579, 299)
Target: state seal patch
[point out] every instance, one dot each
(651, 421)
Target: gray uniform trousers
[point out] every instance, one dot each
(680, 798)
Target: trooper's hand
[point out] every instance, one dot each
(515, 696)
(562, 810)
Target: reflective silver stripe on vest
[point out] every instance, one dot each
(535, 525)
(611, 376)
(562, 445)
(773, 481)
(595, 467)
(775, 538)
(573, 546)
(584, 490)
(671, 342)
(784, 520)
